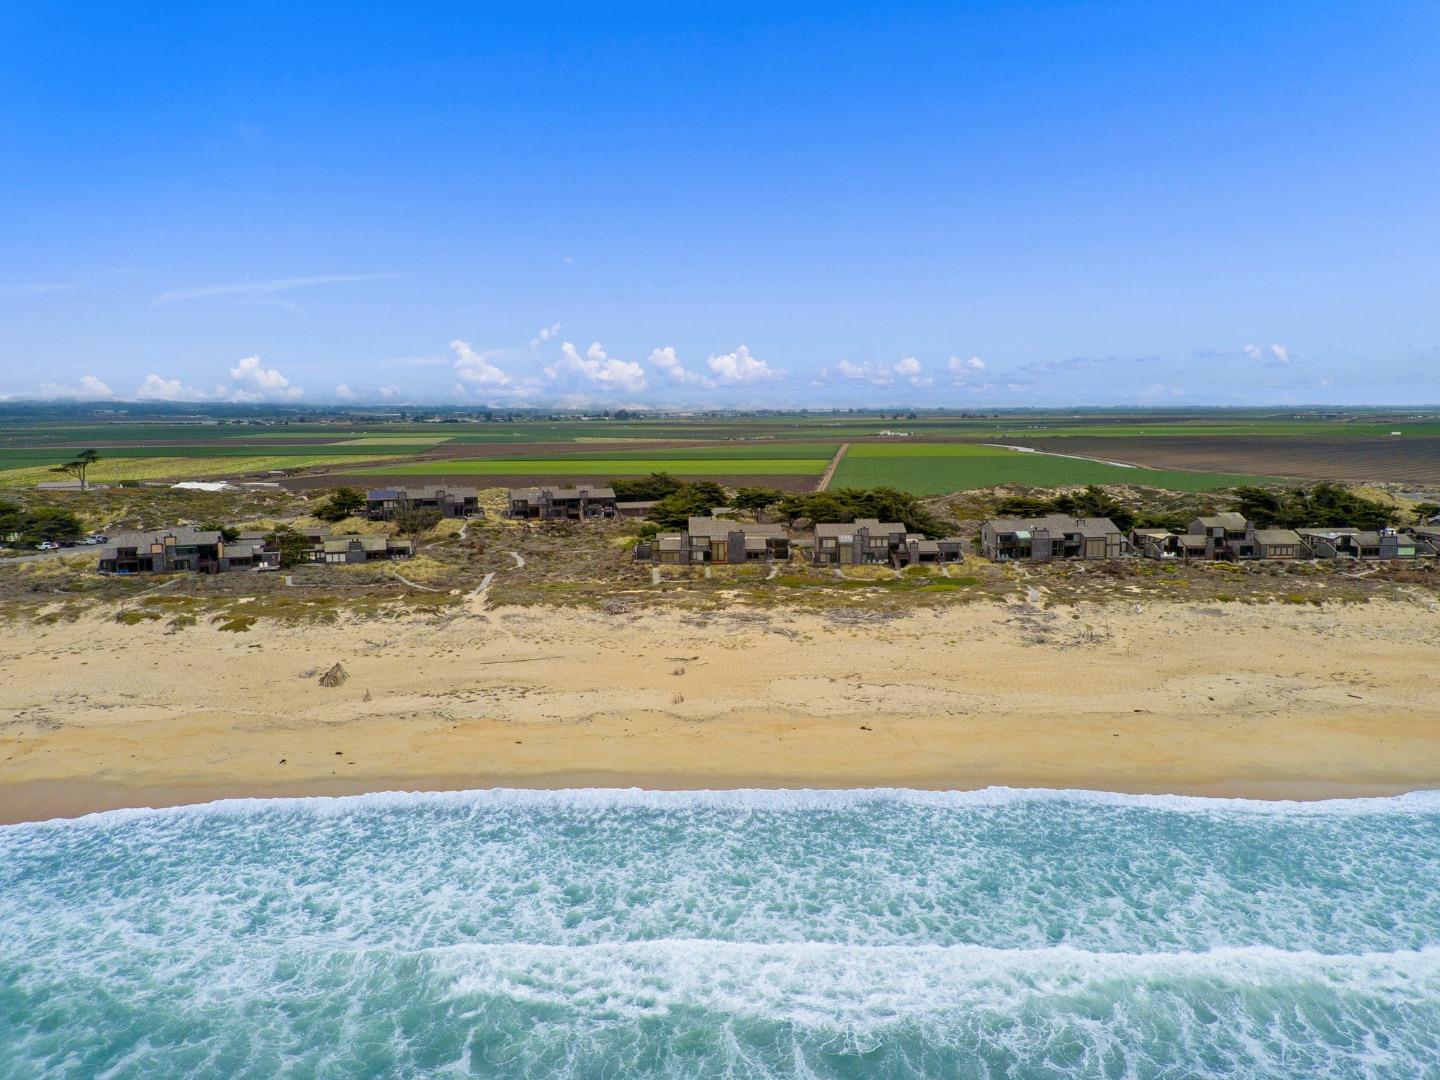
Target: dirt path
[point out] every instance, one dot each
(829, 473)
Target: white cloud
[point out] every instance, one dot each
(155, 388)
(266, 288)
(962, 366)
(739, 368)
(1281, 354)
(666, 360)
(1326, 380)
(389, 392)
(475, 367)
(89, 389)
(7, 291)
(259, 383)
(344, 393)
(544, 334)
(908, 367)
(1254, 352)
(598, 368)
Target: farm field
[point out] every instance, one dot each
(935, 468)
(201, 467)
(1402, 459)
(607, 466)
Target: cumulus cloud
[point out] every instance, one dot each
(155, 388)
(89, 389)
(389, 392)
(959, 365)
(909, 368)
(598, 368)
(739, 368)
(544, 334)
(259, 383)
(1274, 355)
(344, 393)
(476, 368)
(1254, 352)
(1281, 354)
(669, 364)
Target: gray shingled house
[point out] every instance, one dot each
(1055, 536)
(561, 503)
(183, 549)
(716, 540)
(383, 504)
(869, 540)
(352, 548)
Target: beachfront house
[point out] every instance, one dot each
(352, 548)
(182, 550)
(1378, 544)
(383, 504)
(1276, 544)
(716, 540)
(561, 503)
(1054, 536)
(1228, 536)
(869, 540)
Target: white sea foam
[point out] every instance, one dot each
(753, 799)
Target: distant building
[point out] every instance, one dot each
(562, 503)
(1379, 544)
(635, 508)
(1054, 536)
(383, 504)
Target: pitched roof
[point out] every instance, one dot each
(1275, 537)
(873, 525)
(1056, 524)
(719, 529)
(536, 494)
(1229, 521)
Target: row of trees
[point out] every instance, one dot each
(678, 501)
(1322, 506)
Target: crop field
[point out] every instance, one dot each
(607, 466)
(1400, 459)
(935, 468)
(112, 469)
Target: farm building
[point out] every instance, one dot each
(384, 503)
(714, 540)
(868, 540)
(1054, 536)
(179, 550)
(562, 503)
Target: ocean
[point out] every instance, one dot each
(594, 934)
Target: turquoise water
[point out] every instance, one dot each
(742, 934)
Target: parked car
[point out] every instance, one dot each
(49, 545)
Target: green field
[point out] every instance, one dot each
(605, 466)
(935, 468)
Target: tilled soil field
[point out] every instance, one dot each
(1396, 458)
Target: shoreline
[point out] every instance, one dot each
(1235, 700)
(59, 800)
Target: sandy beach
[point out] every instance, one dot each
(1269, 701)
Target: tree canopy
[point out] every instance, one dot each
(343, 502)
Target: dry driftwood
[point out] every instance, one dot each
(334, 677)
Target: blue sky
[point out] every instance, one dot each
(958, 204)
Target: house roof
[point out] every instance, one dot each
(1276, 537)
(1056, 524)
(719, 528)
(536, 494)
(1229, 521)
(635, 504)
(873, 525)
(1191, 540)
(184, 535)
(426, 491)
